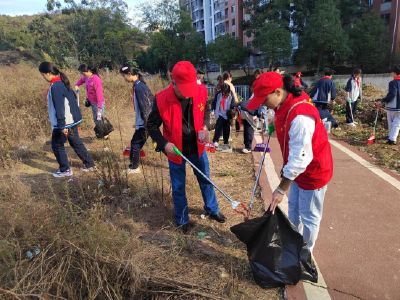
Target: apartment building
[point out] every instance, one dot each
(212, 18)
(389, 12)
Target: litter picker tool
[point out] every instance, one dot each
(351, 111)
(235, 204)
(371, 139)
(77, 99)
(259, 172)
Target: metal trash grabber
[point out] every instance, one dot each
(351, 111)
(235, 204)
(259, 172)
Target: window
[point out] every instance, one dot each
(226, 13)
(234, 23)
(227, 24)
(233, 9)
(386, 19)
(249, 45)
(233, 34)
(384, 1)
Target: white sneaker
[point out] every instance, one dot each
(132, 171)
(221, 138)
(246, 150)
(351, 124)
(216, 144)
(60, 174)
(355, 123)
(230, 139)
(90, 169)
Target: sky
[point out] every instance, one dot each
(30, 7)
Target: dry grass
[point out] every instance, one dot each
(382, 154)
(117, 240)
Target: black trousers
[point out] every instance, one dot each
(248, 134)
(138, 140)
(349, 119)
(57, 143)
(224, 126)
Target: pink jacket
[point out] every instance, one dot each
(94, 89)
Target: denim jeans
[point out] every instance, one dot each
(178, 181)
(305, 209)
(138, 140)
(95, 108)
(57, 142)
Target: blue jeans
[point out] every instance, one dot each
(305, 209)
(178, 181)
(95, 108)
(57, 142)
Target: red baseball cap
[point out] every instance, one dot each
(299, 73)
(184, 74)
(264, 85)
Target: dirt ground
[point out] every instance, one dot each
(141, 205)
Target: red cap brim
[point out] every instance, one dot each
(255, 102)
(188, 89)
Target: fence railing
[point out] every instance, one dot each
(242, 91)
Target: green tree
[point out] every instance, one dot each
(369, 43)
(226, 50)
(169, 27)
(275, 42)
(323, 39)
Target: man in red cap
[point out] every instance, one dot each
(306, 151)
(183, 110)
(298, 81)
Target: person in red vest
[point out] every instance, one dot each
(183, 111)
(298, 81)
(306, 151)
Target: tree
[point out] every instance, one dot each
(274, 41)
(323, 37)
(226, 50)
(169, 27)
(369, 42)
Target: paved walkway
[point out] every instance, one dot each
(358, 247)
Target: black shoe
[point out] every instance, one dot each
(390, 143)
(183, 228)
(219, 218)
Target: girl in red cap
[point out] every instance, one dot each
(298, 81)
(305, 148)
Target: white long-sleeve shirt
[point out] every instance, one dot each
(300, 146)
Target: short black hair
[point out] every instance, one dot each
(357, 71)
(231, 113)
(396, 69)
(328, 72)
(276, 69)
(200, 71)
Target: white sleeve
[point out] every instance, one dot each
(300, 146)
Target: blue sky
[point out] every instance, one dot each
(30, 7)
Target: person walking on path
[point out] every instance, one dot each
(64, 116)
(324, 91)
(183, 111)
(306, 151)
(143, 101)
(392, 104)
(298, 81)
(353, 93)
(263, 109)
(94, 89)
(227, 79)
(222, 102)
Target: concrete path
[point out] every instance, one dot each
(358, 247)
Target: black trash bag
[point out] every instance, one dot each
(87, 103)
(103, 128)
(277, 253)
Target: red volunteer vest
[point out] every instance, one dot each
(171, 113)
(297, 81)
(319, 172)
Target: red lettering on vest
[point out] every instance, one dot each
(171, 113)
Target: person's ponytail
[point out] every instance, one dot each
(48, 67)
(128, 68)
(65, 80)
(288, 84)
